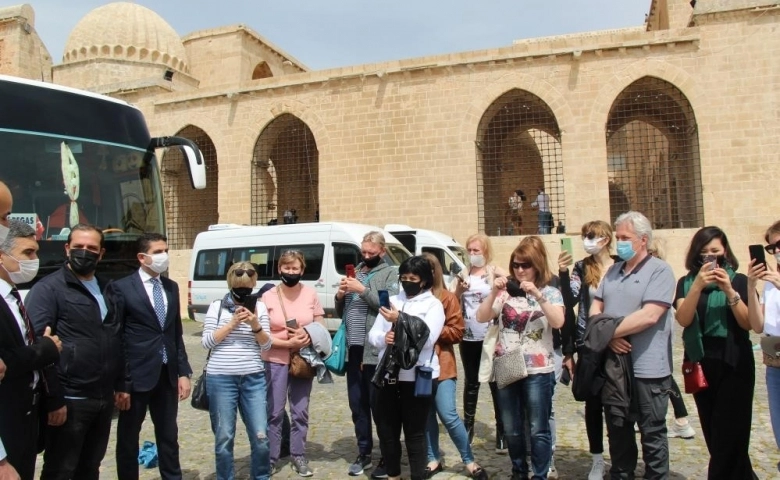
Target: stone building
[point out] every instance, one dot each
(678, 117)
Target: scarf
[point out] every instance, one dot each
(715, 317)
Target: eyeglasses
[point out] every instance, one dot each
(523, 265)
(589, 235)
(240, 272)
(772, 248)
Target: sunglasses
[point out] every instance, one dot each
(772, 248)
(590, 235)
(523, 265)
(240, 272)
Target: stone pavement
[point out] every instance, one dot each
(331, 445)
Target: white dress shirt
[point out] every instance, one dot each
(5, 291)
(149, 287)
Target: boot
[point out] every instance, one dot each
(470, 399)
(500, 440)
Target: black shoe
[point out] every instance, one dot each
(430, 473)
(501, 444)
(380, 471)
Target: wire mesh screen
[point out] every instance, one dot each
(285, 179)
(189, 211)
(520, 167)
(653, 155)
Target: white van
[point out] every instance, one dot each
(444, 248)
(327, 248)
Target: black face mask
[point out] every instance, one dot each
(290, 279)
(82, 261)
(411, 288)
(240, 294)
(513, 288)
(372, 261)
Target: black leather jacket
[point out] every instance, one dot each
(411, 333)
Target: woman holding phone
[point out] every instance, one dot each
(291, 307)
(471, 291)
(235, 373)
(710, 303)
(764, 316)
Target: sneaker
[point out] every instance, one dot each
(275, 468)
(552, 472)
(361, 462)
(685, 431)
(380, 471)
(597, 470)
(301, 466)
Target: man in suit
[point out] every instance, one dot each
(23, 355)
(157, 372)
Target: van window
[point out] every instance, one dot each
(444, 257)
(345, 254)
(462, 254)
(397, 254)
(211, 264)
(260, 257)
(313, 254)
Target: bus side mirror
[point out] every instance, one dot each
(193, 157)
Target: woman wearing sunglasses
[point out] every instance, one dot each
(710, 302)
(529, 310)
(235, 373)
(764, 316)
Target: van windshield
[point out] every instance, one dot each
(396, 254)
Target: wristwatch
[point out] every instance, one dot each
(735, 300)
(258, 330)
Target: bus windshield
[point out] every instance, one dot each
(59, 181)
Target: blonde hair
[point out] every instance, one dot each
(242, 281)
(292, 256)
(375, 238)
(484, 240)
(531, 249)
(591, 268)
(658, 248)
(438, 275)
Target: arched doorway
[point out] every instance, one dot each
(653, 155)
(518, 149)
(285, 173)
(189, 211)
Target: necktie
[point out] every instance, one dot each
(159, 309)
(29, 334)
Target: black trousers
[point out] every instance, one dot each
(594, 424)
(21, 440)
(726, 414)
(470, 356)
(76, 448)
(163, 405)
(395, 409)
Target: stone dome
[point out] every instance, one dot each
(126, 31)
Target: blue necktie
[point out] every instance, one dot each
(159, 309)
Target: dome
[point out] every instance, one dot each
(126, 31)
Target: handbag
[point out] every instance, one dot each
(337, 360)
(509, 367)
(299, 367)
(488, 352)
(693, 374)
(199, 399)
(423, 380)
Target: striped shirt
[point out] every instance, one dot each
(357, 311)
(238, 353)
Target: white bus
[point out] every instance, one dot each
(71, 156)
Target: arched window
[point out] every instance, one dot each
(653, 155)
(189, 211)
(519, 163)
(262, 70)
(285, 173)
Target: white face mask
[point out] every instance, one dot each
(3, 233)
(477, 260)
(28, 269)
(591, 245)
(160, 262)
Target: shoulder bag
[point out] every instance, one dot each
(510, 367)
(337, 360)
(423, 380)
(200, 396)
(299, 367)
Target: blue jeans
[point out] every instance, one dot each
(773, 392)
(448, 413)
(531, 396)
(247, 394)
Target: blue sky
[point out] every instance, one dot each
(336, 33)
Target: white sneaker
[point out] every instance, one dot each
(597, 470)
(681, 431)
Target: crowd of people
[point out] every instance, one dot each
(77, 349)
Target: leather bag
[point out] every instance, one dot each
(693, 374)
(299, 367)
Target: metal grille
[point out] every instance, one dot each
(653, 155)
(189, 211)
(519, 148)
(285, 180)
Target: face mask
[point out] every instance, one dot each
(513, 288)
(411, 288)
(160, 262)
(28, 269)
(777, 258)
(477, 260)
(625, 250)
(82, 261)
(372, 261)
(3, 233)
(591, 245)
(290, 279)
(240, 293)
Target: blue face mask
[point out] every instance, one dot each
(625, 250)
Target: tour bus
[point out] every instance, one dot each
(70, 156)
(327, 248)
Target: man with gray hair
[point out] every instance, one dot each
(640, 289)
(23, 355)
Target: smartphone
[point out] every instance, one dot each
(250, 303)
(350, 270)
(565, 376)
(710, 259)
(384, 298)
(292, 323)
(757, 254)
(566, 245)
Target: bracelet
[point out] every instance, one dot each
(735, 300)
(540, 299)
(258, 330)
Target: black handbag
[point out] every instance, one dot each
(200, 397)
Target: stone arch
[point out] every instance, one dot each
(190, 211)
(262, 70)
(653, 160)
(518, 148)
(285, 173)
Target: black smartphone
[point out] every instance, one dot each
(250, 303)
(292, 323)
(757, 254)
(384, 298)
(711, 259)
(565, 376)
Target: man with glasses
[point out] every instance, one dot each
(640, 289)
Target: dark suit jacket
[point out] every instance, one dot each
(143, 338)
